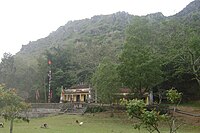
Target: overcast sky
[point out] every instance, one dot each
(22, 21)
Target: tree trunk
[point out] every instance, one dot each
(11, 125)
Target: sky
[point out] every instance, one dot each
(22, 21)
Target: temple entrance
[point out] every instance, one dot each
(84, 98)
(77, 98)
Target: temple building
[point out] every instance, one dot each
(80, 93)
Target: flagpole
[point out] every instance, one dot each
(49, 76)
(49, 96)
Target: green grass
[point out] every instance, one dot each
(100, 123)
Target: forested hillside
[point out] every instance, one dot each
(151, 51)
(86, 42)
(103, 30)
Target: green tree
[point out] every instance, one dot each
(62, 69)
(41, 82)
(189, 59)
(150, 118)
(194, 54)
(140, 61)
(106, 81)
(11, 106)
(182, 51)
(7, 70)
(174, 97)
(147, 119)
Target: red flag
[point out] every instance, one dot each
(51, 93)
(49, 62)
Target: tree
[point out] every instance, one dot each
(29, 84)
(148, 119)
(182, 51)
(12, 106)
(7, 70)
(174, 97)
(189, 59)
(14, 73)
(106, 81)
(194, 54)
(42, 77)
(140, 61)
(62, 69)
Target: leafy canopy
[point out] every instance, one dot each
(140, 62)
(106, 81)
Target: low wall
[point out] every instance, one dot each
(56, 105)
(47, 105)
(46, 109)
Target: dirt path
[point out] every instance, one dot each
(191, 120)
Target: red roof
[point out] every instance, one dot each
(79, 87)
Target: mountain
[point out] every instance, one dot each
(88, 42)
(99, 30)
(190, 15)
(192, 8)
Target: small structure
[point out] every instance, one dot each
(128, 94)
(80, 93)
(123, 93)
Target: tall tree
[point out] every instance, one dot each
(194, 54)
(188, 58)
(62, 69)
(106, 81)
(182, 50)
(42, 78)
(140, 61)
(7, 70)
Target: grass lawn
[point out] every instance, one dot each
(100, 123)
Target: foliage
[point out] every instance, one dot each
(11, 106)
(7, 70)
(83, 43)
(192, 56)
(148, 119)
(61, 69)
(41, 81)
(174, 97)
(106, 81)
(181, 44)
(140, 62)
(95, 109)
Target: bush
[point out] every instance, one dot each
(95, 109)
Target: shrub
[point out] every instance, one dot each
(95, 109)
